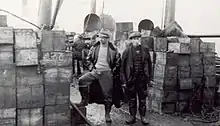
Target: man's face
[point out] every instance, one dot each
(136, 41)
(104, 39)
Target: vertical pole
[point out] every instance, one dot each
(168, 12)
(93, 6)
(44, 15)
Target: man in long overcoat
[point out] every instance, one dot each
(136, 75)
(105, 62)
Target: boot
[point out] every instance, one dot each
(144, 121)
(107, 113)
(131, 120)
(84, 94)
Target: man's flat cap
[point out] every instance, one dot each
(104, 33)
(134, 34)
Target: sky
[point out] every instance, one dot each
(194, 16)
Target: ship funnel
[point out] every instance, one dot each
(92, 23)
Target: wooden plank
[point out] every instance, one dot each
(162, 95)
(59, 40)
(185, 83)
(30, 96)
(57, 94)
(6, 35)
(26, 57)
(53, 59)
(165, 71)
(25, 39)
(7, 97)
(185, 95)
(46, 38)
(209, 58)
(6, 48)
(197, 71)
(210, 81)
(30, 117)
(160, 44)
(183, 71)
(148, 42)
(28, 76)
(207, 47)
(7, 75)
(58, 75)
(209, 70)
(165, 83)
(8, 117)
(58, 115)
(196, 59)
(166, 58)
(195, 45)
(183, 60)
(182, 48)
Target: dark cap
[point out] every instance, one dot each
(134, 34)
(104, 33)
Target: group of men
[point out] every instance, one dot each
(133, 68)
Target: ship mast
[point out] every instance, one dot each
(168, 12)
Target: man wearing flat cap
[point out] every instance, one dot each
(104, 60)
(136, 75)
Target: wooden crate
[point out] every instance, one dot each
(185, 83)
(25, 39)
(197, 71)
(165, 71)
(197, 81)
(183, 71)
(30, 117)
(28, 76)
(184, 40)
(182, 48)
(163, 95)
(209, 58)
(160, 44)
(183, 60)
(148, 42)
(196, 59)
(6, 54)
(54, 59)
(59, 40)
(124, 26)
(6, 35)
(195, 45)
(57, 94)
(57, 75)
(185, 95)
(7, 97)
(8, 117)
(162, 107)
(166, 58)
(58, 115)
(26, 57)
(7, 75)
(165, 83)
(209, 70)
(30, 96)
(210, 81)
(207, 47)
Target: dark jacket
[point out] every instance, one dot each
(127, 66)
(114, 60)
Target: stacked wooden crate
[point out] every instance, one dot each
(56, 65)
(30, 88)
(7, 78)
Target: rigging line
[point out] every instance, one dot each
(20, 18)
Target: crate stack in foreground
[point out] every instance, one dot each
(56, 66)
(184, 70)
(7, 78)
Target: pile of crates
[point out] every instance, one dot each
(35, 74)
(184, 72)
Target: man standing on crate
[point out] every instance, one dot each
(136, 73)
(104, 60)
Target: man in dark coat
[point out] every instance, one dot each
(136, 75)
(104, 61)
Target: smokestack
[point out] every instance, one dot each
(168, 12)
(93, 7)
(44, 15)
